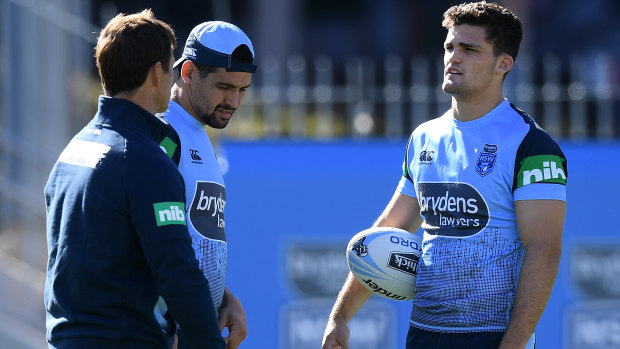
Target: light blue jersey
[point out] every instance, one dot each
(466, 177)
(205, 198)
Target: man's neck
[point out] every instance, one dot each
(468, 109)
(181, 97)
(144, 100)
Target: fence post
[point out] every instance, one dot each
(551, 95)
(296, 95)
(576, 95)
(524, 89)
(392, 94)
(604, 99)
(419, 92)
(359, 111)
(323, 94)
(270, 96)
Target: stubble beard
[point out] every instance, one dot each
(212, 120)
(462, 90)
(453, 89)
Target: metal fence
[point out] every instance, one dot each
(301, 98)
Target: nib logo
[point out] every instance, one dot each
(541, 169)
(167, 213)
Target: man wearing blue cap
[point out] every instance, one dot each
(211, 79)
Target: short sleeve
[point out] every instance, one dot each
(541, 170)
(405, 185)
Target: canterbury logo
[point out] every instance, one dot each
(426, 155)
(193, 153)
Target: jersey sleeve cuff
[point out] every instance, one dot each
(406, 187)
(541, 191)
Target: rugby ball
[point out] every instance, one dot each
(385, 261)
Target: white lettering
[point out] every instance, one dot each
(206, 200)
(205, 203)
(471, 204)
(527, 176)
(447, 203)
(458, 222)
(546, 170)
(178, 214)
(404, 261)
(173, 214)
(557, 172)
(165, 215)
(451, 204)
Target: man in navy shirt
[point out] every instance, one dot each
(121, 270)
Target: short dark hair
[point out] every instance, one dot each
(503, 28)
(128, 47)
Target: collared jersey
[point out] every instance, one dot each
(117, 239)
(466, 177)
(205, 194)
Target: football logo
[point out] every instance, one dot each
(405, 262)
(359, 248)
(486, 160)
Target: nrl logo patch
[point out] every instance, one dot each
(359, 248)
(486, 160)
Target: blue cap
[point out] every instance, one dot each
(212, 43)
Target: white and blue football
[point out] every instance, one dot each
(385, 261)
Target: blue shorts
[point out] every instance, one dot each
(417, 338)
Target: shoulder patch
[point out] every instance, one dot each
(168, 146)
(541, 169)
(167, 213)
(84, 153)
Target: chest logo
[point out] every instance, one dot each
(196, 159)
(452, 209)
(486, 160)
(426, 156)
(206, 214)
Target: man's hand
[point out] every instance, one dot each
(232, 316)
(336, 334)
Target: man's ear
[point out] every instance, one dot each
(187, 69)
(155, 74)
(504, 64)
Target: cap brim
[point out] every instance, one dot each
(178, 62)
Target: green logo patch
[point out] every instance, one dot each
(169, 146)
(541, 169)
(167, 213)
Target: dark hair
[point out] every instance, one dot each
(503, 28)
(128, 47)
(241, 54)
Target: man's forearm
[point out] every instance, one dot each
(540, 268)
(350, 299)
